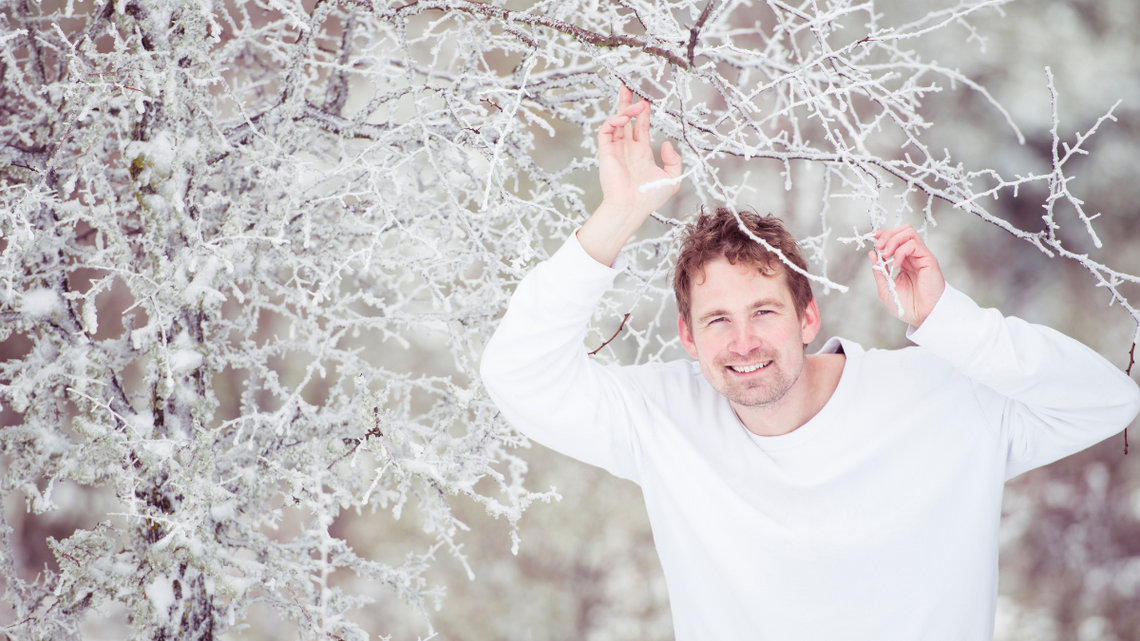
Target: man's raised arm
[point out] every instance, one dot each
(1046, 395)
(625, 165)
(535, 367)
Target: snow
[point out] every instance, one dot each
(158, 153)
(90, 319)
(41, 303)
(274, 249)
(160, 592)
(185, 360)
(142, 337)
(223, 511)
(162, 448)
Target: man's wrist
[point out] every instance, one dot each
(608, 229)
(929, 305)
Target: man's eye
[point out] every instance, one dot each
(717, 320)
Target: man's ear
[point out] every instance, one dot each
(809, 324)
(686, 336)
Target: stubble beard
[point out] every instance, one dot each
(767, 389)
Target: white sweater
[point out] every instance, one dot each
(876, 520)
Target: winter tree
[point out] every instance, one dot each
(225, 226)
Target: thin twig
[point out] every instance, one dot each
(1128, 371)
(507, 15)
(697, 29)
(372, 432)
(620, 327)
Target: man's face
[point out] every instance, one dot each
(745, 332)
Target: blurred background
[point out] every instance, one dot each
(587, 569)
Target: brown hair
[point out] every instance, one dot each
(712, 236)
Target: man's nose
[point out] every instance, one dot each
(745, 339)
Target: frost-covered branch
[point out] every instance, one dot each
(293, 207)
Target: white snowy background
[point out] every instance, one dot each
(249, 254)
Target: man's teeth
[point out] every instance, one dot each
(744, 369)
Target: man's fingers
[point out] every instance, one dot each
(883, 234)
(919, 278)
(625, 97)
(616, 127)
(670, 159)
(636, 114)
(641, 126)
(611, 130)
(889, 241)
(903, 252)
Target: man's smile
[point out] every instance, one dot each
(748, 369)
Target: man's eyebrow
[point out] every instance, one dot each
(768, 302)
(707, 315)
(774, 303)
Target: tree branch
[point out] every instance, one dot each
(696, 29)
(620, 327)
(511, 16)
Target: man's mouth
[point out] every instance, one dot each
(748, 369)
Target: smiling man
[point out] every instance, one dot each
(746, 319)
(849, 494)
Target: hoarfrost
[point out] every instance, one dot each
(160, 591)
(303, 208)
(185, 360)
(40, 303)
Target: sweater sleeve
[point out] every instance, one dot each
(1047, 395)
(538, 373)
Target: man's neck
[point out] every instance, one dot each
(807, 396)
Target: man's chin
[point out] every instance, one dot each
(757, 396)
(761, 393)
(753, 400)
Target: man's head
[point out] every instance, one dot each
(743, 314)
(718, 235)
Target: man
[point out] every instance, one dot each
(847, 494)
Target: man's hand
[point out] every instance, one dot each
(918, 283)
(625, 164)
(625, 160)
